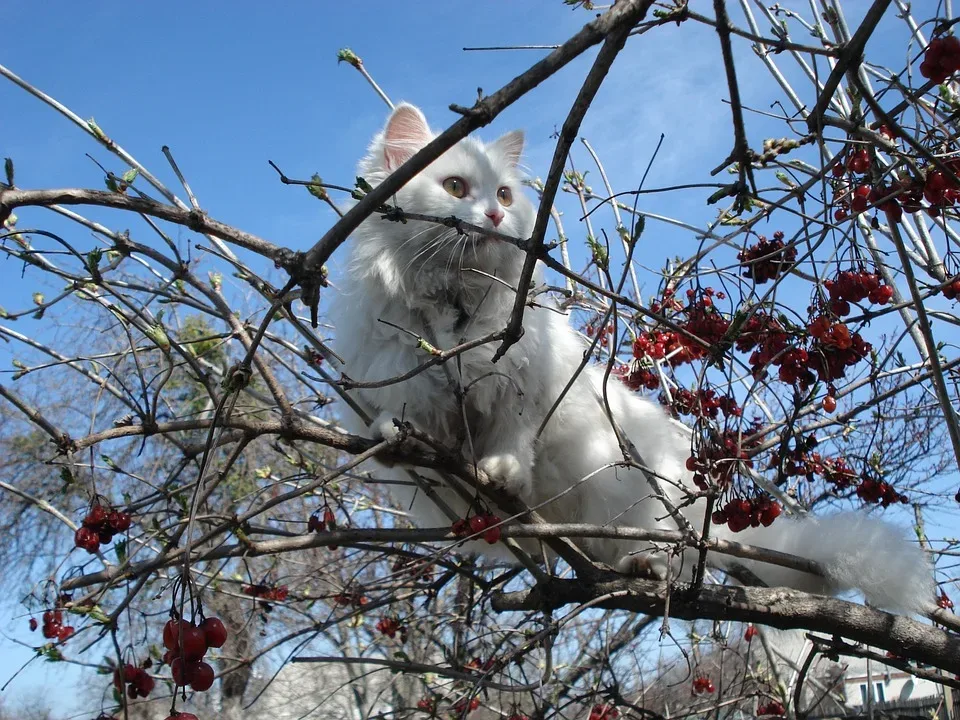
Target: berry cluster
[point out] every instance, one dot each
(266, 592)
(476, 663)
(951, 291)
(941, 59)
(767, 260)
(720, 460)
(390, 626)
(944, 601)
(849, 286)
(186, 645)
(702, 684)
(418, 569)
(487, 524)
(604, 333)
(703, 403)
(635, 376)
(138, 682)
(872, 490)
(53, 627)
(321, 521)
(750, 633)
(464, 705)
(774, 707)
(739, 514)
(99, 526)
(428, 705)
(354, 597)
(604, 712)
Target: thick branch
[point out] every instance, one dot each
(780, 608)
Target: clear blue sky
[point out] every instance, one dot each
(230, 85)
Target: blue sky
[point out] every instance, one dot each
(229, 86)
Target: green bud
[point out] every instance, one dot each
(349, 56)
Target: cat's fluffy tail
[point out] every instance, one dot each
(857, 552)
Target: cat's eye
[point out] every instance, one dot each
(505, 196)
(456, 186)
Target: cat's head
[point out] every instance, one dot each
(476, 182)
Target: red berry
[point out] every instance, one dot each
(182, 716)
(119, 521)
(144, 683)
(750, 633)
(33, 624)
(176, 670)
(96, 517)
(201, 676)
(492, 535)
(64, 632)
(478, 523)
(829, 403)
(171, 633)
(214, 632)
(194, 643)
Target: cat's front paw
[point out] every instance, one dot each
(509, 471)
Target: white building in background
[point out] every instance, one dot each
(881, 683)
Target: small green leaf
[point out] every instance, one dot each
(130, 175)
(111, 184)
(364, 186)
(349, 56)
(97, 132)
(110, 463)
(93, 260)
(317, 189)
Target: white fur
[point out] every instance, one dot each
(415, 276)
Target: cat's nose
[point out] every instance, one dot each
(495, 215)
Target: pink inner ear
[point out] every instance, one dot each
(406, 133)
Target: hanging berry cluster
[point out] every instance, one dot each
(390, 626)
(854, 287)
(703, 684)
(138, 682)
(186, 645)
(941, 59)
(487, 524)
(767, 260)
(604, 712)
(416, 568)
(702, 403)
(739, 514)
(354, 598)
(802, 460)
(53, 627)
(321, 521)
(774, 707)
(99, 526)
(720, 458)
(464, 705)
(268, 593)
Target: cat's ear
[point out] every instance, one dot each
(509, 146)
(406, 132)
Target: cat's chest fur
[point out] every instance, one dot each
(467, 391)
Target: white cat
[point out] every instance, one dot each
(447, 288)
